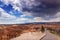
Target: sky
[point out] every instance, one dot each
(27, 11)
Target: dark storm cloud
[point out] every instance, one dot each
(42, 8)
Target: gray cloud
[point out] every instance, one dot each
(42, 8)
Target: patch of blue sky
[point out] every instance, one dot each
(1, 4)
(7, 8)
(16, 13)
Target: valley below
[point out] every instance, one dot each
(43, 31)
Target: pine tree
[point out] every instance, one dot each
(42, 29)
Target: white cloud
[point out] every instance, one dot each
(21, 19)
(27, 13)
(15, 3)
(58, 14)
(38, 19)
(56, 19)
(14, 21)
(4, 14)
(6, 18)
(18, 4)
